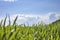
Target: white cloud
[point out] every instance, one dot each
(33, 18)
(58, 15)
(54, 16)
(9, 0)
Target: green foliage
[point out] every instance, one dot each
(34, 32)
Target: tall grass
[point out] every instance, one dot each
(4, 29)
(35, 32)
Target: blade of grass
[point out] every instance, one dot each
(15, 20)
(9, 21)
(4, 35)
(14, 23)
(1, 22)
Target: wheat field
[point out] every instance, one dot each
(34, 32)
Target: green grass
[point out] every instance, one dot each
(34, 32)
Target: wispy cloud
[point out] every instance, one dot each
(9, 0)
(34, 19)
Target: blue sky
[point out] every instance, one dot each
(30, 7)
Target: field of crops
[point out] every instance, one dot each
(34, 32)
